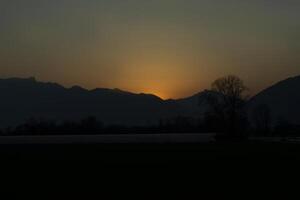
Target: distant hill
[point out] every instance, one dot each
(283, 99)
(22, 99)
(196, 105)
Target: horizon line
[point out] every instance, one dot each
(33, 78)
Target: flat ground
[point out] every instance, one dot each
(150, 167)
(172, 149)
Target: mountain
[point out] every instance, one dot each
(196, 105)
(283, 100)
(22, 99)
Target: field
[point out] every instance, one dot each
(143, 150)
(41, 163)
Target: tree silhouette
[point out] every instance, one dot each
(90, 124)
(227, 103)
(262, 119)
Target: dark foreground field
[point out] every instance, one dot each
(154, 154)
(131, 167)
(145, 169)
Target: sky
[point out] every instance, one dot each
(171, 48)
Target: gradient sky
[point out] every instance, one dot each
(172, 48)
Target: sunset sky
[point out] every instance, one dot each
(171, 48)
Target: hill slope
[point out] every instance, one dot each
(22, 99)
(283, 99)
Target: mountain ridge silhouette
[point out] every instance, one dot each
(25, 98)
(282, 99)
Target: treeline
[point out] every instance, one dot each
(92, 126)
(207, 124)
(282, 128)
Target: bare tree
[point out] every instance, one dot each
(227, 103)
